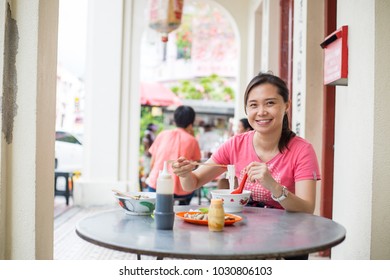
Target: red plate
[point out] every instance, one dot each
(205, 222)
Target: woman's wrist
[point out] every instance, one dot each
(281, 193)
(277, 190)
(188, 182)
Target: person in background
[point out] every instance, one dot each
(171, 144)
(149, 137)
(147, 141)
(208, 140)
(243, 126)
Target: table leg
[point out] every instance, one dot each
(157, 258)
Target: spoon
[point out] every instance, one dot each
(242, 184)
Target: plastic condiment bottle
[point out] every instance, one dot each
(216, 215)
(164, 215)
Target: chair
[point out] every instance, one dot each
(68, 185)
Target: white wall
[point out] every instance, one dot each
(361, 171)
(380, 245)
(27, 160)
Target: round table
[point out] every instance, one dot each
(263, 233)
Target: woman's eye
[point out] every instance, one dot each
(270, 103)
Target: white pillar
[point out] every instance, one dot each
(28, 133)
(111, 140)
(308, 76)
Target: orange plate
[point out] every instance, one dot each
(203, 222)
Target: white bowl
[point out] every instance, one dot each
(137, 203)
(232, 203)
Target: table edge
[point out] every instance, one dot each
(211, 257)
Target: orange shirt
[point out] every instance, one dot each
(172, 144)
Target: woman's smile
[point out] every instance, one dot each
(263, 122)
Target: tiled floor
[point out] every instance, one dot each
(69, 246)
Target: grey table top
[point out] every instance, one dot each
(262, 233)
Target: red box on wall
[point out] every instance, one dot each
(336, 57)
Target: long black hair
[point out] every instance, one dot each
(267, 78)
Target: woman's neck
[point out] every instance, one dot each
(268, 144)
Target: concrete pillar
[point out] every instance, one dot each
(112, 120)
(28, 93)
(308, 75)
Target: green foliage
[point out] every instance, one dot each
(211, 87)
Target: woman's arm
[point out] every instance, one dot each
(191, 179)
(305, 191)
(303, 200)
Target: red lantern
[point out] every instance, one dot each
(165, 16)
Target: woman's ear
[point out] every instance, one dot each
(288, 104)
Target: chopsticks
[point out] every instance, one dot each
(201, 163)
(208, 164)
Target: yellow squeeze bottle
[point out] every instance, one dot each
(216, 215)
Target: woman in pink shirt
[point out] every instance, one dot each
(282, 167)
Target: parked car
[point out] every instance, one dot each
(68, 152)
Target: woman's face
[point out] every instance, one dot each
(265, 108)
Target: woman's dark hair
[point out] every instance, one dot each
(246, 124)
(268, 78)
(184, 116)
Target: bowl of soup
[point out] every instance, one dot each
(232, 203)
(137, 203)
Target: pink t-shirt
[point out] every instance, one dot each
(298, 162)
(172, 144)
